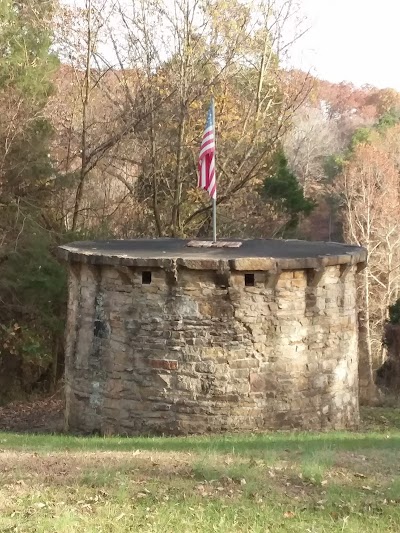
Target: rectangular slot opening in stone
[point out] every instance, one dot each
(222, 280)
(249, 280)
(146, 277)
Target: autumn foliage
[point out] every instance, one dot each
(102, 119)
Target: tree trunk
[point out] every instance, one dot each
(83, 170)
(366, 371)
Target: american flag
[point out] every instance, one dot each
(206, 164)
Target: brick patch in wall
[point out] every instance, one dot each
(165, 364)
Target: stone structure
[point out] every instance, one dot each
(166, 338)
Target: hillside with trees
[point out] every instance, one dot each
(101, 123)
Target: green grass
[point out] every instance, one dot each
(272, 482)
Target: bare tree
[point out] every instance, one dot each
(313, 137)
(203, 51)
(370, 188)
(95, 126)
(144, 95)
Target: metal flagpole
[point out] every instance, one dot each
(214, 200)
(214, 220)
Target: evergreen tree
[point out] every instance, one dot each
(26, 65)
(285, 193)
(32, 284)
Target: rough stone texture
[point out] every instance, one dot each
(196, 350)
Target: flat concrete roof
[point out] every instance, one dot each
(253, 254)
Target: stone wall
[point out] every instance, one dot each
(196, 350)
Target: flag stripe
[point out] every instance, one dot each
(206, 163)
(203, 174)
(209, 146)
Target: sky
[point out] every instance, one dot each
(356, 41)
(352, 40)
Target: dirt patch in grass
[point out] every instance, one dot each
(61, 468)
(42, 415)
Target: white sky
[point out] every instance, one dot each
(352, 40)
(349, 40)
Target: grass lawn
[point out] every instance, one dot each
(273, 482)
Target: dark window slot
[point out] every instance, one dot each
(146, 278)
(249, 280)
(222, 280)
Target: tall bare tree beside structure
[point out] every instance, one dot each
(370, 189)
(96, 129)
